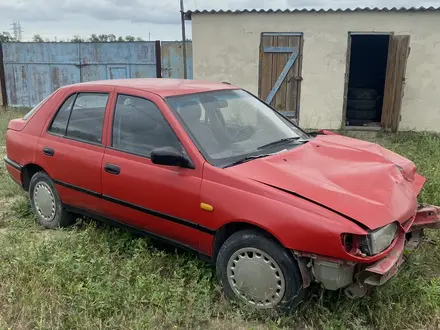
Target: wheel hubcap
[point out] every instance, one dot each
(44, 201)
(256, 277)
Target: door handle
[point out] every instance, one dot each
(112, 169)
(48, 151)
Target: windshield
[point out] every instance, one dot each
(230, 125)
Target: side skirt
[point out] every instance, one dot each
(137, 231)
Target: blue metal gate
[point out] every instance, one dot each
(172, 59)
(117, 60)
(34, 70)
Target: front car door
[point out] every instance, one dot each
(162, 200)
(71, 148)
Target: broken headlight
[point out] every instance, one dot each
(378, 240)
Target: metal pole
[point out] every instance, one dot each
(158, 60)
(182, 18)
(3, 94)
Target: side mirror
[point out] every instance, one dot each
(170, 156)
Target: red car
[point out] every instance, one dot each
(212, 168)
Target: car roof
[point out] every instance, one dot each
(162, 86)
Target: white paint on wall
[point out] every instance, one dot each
(226, 47)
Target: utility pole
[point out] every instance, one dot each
(182, 18)
(17, 30)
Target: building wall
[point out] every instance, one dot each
(226, 47)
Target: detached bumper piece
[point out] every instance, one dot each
(335, 274)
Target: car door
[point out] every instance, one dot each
(162, 200)
(70, 148)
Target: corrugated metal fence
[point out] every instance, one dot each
(31, 71)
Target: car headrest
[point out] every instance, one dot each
(190, 111)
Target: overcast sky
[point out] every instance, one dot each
(65, 18)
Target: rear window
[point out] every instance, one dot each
(81, 117)
(87, 117)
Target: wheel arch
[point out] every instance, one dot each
(228, 229)
(27, 172)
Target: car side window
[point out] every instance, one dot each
(139, 127)
(59, 124)
(87, 117)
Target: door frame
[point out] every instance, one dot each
(298, 58)
(347, 72)
(395, 81)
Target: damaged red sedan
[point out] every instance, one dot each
(212, 168)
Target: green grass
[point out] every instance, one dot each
(93, 276)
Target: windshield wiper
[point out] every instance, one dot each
(246, 159)
(280, 141)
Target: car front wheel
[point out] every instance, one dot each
(46, 203)
(255, 268)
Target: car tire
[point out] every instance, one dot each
(361, 114)
(361, 104)
(362, 94)
(274, 271)
(46, 203)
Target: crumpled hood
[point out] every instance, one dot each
(355, 178)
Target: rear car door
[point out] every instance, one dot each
(162, 200)
(71, 148)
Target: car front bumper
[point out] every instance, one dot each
(357, 278)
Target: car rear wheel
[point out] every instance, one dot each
(46, 203)
(256, 269)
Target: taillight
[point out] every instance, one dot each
(16, 124)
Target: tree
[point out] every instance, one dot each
(37, 38)
(77, 38)
(93, 38)
(6, 37)
(103, 38)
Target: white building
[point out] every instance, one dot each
(354, 67)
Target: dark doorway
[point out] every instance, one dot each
(366, 82)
